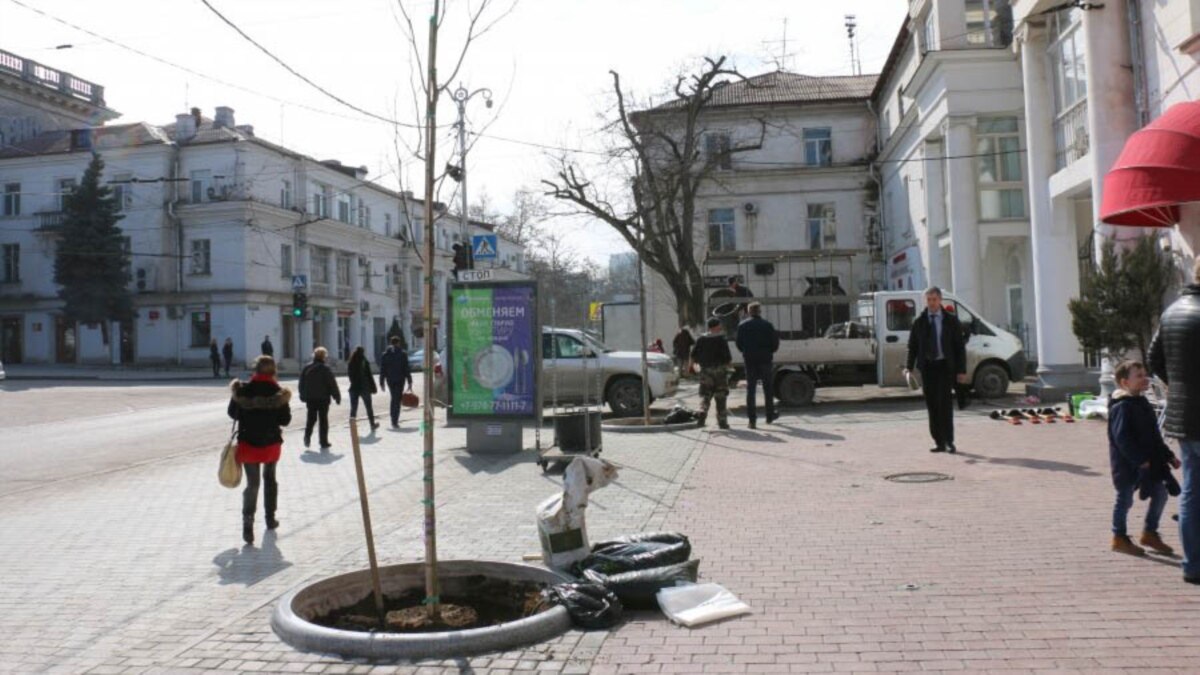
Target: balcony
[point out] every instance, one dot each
(1071, 140)
(50, 221)
(69, 85)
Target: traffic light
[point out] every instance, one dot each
(299, 305)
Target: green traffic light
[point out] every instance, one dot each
(297, 312)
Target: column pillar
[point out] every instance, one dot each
(1052, 235)
(935, 210)
(1112, 118)
(961, 185)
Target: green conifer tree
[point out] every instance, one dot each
(91, 265)
(1121, 303)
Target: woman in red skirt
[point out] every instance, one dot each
(260, 407)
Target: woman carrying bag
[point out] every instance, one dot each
(260, 407)
(362, 385)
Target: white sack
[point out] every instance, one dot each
(561, 526)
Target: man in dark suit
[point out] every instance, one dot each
(758, 341)
(936, 348)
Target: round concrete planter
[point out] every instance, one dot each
(291, 619)
(635, 425)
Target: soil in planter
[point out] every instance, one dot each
(481, 602)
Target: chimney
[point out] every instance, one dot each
(197, 118)
(224, 117)
(185, 127)
(360, 173)
(247, 129)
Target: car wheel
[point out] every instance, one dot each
(991, 381)
(795, 389)
(625, 396)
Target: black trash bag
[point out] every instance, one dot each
(636, 552)
(591, 605)
(638, 590)
(680, 415)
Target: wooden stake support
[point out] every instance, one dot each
(377, 588)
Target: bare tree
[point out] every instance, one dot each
(665, 164)
(523, 224)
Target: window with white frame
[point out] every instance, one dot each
(320, 265)
(368, 223)
(65, 188)
(721, 230)
(929, 33)
(201, 182)
(717, 147)
(122, 190)
(285, 194)
(12, 199)
(989, 23)
(201, 257)
(201, 332)
(414, 285)
(285, 261)
(1001, 178)
(320, 200)
(1067, 59)
(387, 224)
(366, 274)
(343, 208)
(11, 254)
(818, 146)
(343, 271)
(822, 226)
(388, 280)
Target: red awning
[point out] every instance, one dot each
(1158, 170)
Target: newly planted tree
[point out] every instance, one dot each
(1119, 307)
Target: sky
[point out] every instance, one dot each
(546, 64)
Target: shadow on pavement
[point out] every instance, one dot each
(749, 434)
(492, 464)
(1029, 463)
(808, 434)
(249, 565)
(323, 457)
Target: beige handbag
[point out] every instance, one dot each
(230, 470)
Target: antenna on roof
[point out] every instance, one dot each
(852, 36)
(784, 56)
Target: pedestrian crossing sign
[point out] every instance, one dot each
(483, 246)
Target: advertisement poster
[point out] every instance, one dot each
(493, 350)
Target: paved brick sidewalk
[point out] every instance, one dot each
(1003, 568)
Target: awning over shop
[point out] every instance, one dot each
(1158, 170)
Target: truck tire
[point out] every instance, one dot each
(625, 396)
(991, 381)
(795, 389)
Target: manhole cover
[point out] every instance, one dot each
(918, 477)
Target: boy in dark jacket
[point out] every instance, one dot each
(1136, 450)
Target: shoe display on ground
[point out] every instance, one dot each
(1152, 541)
(1123, 544)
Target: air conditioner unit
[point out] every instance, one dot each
(750, 208)
(144, 277)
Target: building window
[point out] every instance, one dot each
(362, 214)
(1001, 180)
(717, 147)
(285, 194)
(320, 266)
(387, 224)
(201, 329)
(122, 189)
(368, 217)
(201, 256)
(414, 285)
(12, 199)
(320, 199)
(822, 226)
(818, 147)
(721, 232)
(366, 272)
(929, 33)
(285, 261)
(66, 187)
(343, 208)
(343, 271)
(12, 263)
(201, 182)
(989, 23)
(1067, 59)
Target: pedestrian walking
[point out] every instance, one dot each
(318, 387)
(267, 348)
(260, 407)
(681, 349)
(394, 373)
(227, 352)
(1175, 359)
(758, 341)
(936, 348)
(362, 385)
(711, 353)
(1138, 455)
(214, 357)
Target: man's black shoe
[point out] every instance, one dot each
(725, 425)
(951, 449)
(753, 425)
(772, 417)
(1191, 580)
(937, 449)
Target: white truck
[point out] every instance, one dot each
(829, 338)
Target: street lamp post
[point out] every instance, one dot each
(461, 96)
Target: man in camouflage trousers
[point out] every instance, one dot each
(711, 353)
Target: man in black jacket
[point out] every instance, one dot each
(394, 373)
(936, 348)
(317, 387)
(267, 349)
(1175, 359)
(711, 353)
(758, 342)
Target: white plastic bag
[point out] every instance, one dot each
(1094, 407)
(561, 526)
(696, 604)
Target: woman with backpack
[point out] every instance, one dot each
(261, 408)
